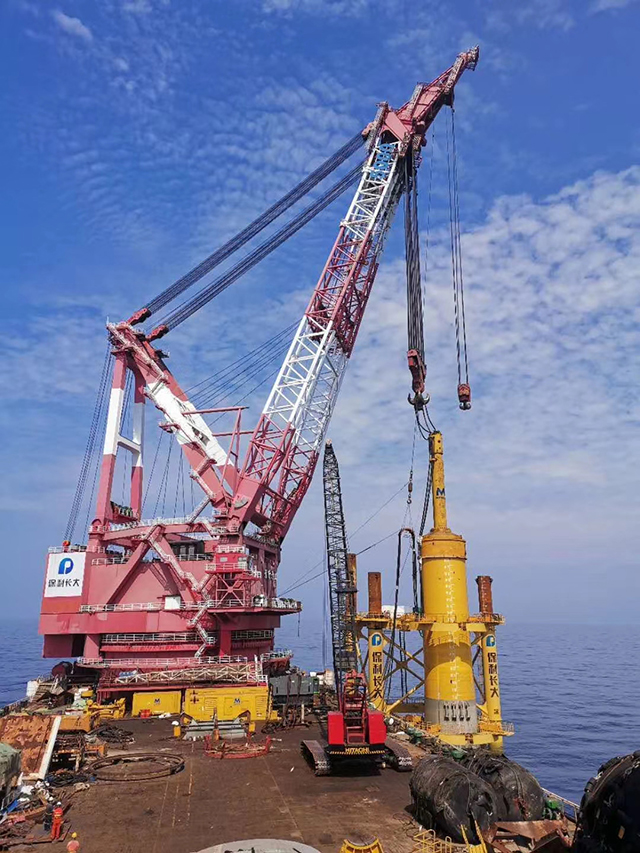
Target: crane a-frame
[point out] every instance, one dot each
(156, 594)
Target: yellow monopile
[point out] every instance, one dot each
(450, 699)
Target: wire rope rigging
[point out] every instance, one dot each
(254, 228)
(184, 311)
(464, 388)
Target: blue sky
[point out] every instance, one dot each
(139, 134)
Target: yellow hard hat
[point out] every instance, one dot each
(74, 834)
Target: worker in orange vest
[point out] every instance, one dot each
(74, 845)
(56, 826)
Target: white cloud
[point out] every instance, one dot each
(543, 14)
(542, 472)
(318, 7)
(72, 26)
(553, 327)
(137, 7)
(605, 5)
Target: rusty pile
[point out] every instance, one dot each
(223, 749)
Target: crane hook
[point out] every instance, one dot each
(464, 396)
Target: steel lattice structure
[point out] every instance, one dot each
(248, 504)
(342, 590)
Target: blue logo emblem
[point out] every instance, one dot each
(490, 641)
(66, 566)
(376, 640)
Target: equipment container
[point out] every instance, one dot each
(164, 702)
(227, 702)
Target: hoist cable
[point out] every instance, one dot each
(163, 481)
(456, 256)
(184, 311)
(407, 512)
(230, 369)
(459, 243)
(257, 225)
(416, 578)
(242, 377)
(301, 578)
(399, 569)
(153, 467)
(426, 501)
(94, 426)
(123, 423)
(427, 239)
(389, 657)
(415, 325)
(222, 398)
(179, 475)
(323, 571)
(100, 434)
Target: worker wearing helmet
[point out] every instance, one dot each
(56, 824)
(74, 845)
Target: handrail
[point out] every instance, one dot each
(163, 663)
(573, 807)
(211, 604)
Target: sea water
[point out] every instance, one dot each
(572, 691)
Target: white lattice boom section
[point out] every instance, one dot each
(296, 415)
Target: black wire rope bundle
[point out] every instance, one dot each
(186, 309)
(254, 228)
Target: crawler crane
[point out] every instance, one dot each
(354, 730)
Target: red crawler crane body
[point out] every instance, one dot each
(199, 592)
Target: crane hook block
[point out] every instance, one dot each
(418, 370)
(464, 396)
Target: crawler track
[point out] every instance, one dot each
(399, 757)
(315, 754)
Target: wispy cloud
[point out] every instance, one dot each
(606, 5)
(317, 7)
(137, 7)
(542, 14)
(72, 26)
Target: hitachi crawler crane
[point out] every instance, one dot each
(354, 731)
(196, 596)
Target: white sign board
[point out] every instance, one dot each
(65, 575)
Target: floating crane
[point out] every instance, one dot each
(197, 593)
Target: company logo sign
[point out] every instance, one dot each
(376, 640)
(65, 566)
(490, 641)
(65, 575)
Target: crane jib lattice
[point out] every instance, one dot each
(342, 590)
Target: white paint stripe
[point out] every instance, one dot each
(114, 418)
(138, 432)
